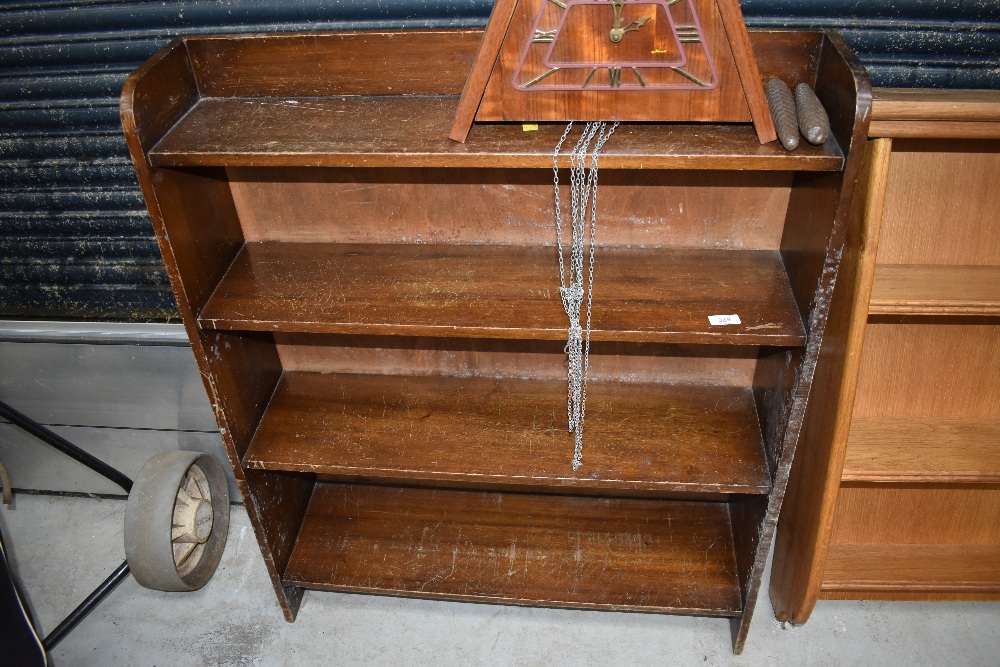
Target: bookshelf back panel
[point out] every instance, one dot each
(941, 203)
(727, 209)
(731, 366)
(929, 370)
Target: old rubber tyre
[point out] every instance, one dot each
(176, 521)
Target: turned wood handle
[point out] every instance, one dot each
(779, 100)
(814, 124)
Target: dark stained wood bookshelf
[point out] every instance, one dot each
(375, 312)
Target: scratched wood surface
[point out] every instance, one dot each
(503, 292)
(761, 246)
(740, 210)
(718, 365)
(399, 131)
(598, 553)
(350, 62)
(481, 431)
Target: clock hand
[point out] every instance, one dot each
(638, 24)
(617, 31)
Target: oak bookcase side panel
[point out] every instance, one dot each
(845, 90)
(806, 516)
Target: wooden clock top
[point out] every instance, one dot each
(636, 60)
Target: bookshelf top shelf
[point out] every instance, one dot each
(367, 99)
(411, 131)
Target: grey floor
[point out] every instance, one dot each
(63, 547)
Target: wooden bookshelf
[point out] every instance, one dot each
(375, 312)
(899, 494)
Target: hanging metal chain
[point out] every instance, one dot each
(583, 187)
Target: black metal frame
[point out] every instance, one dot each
(101, 468)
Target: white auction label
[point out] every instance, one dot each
(716, 320)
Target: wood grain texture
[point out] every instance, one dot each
(482, 67)
(843, 86)
(746, 67)
(718, 365)
(941, 204)
(694, 561)
(638, 555)
(502, 292)
(646, 208)
(917, 289)
(923, 450)
(929, 104)
(929, 370)
(485, 431)
(368, 62)
(197, 231)
(725, 102)
(144, 113)
(398, 131)
(914, 571)
(917, 514)
(940, 129)
(808, 513)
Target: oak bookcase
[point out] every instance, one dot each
(897, 492)
(374, 310)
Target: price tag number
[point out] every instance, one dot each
(719, 320)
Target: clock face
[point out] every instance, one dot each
(642, 60)
(615, 45)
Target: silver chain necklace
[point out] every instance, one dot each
(583, 188)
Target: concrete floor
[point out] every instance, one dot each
(63, 547)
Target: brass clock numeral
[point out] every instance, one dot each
(557, 3)
(589, 77)
(540, 77)
(688, 34)
(642, 81)
(615, 77)
(672, 3)
(689, 76)
(544, 36)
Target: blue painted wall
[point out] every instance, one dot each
(75, 240)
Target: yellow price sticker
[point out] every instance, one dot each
(529, 127)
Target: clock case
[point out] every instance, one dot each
(495, 89)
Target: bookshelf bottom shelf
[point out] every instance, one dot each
(523, 549)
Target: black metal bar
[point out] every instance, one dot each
(65, 446)
(86, 606)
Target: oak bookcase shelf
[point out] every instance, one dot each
(898, 491)
(375, 312)
(650, 295)
(512, 432)
(916, 289)
(392, 131)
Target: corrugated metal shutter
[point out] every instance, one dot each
(75, 241)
